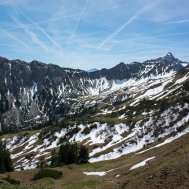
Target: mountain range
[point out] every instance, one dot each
(33, 93)
(117, 111)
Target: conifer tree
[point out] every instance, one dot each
(5, 160)
(83, 155)
(53, 158)
(69, 153)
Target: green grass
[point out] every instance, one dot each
(48, 181)
(90, 165)
(84, 184)
(16, 187)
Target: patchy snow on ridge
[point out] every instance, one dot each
(181, 80)
(105, 140)
(168, 140)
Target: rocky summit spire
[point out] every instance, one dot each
(169, 56)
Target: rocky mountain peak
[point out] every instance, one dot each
(169, 56)
(121, 64)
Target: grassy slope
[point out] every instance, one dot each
(169, 169)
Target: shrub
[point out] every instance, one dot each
(47, 173)
(11, 180)
(93, 126)
(86, 131)
(28, 156)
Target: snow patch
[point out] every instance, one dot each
(101, 173)
(142, 163)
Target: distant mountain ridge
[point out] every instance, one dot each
(34, 93)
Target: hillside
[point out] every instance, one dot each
(168, 169)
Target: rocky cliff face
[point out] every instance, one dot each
(34, 93)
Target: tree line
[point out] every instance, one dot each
(69, 153)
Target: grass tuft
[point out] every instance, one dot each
(43, 173)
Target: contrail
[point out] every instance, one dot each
(112, 35)
(178, 22)
(77, 24)
(14, 38)
(31, 34)
(41, 29)
(118, 31)
(63, 17)
(44, 21)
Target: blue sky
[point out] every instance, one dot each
(93, 33)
